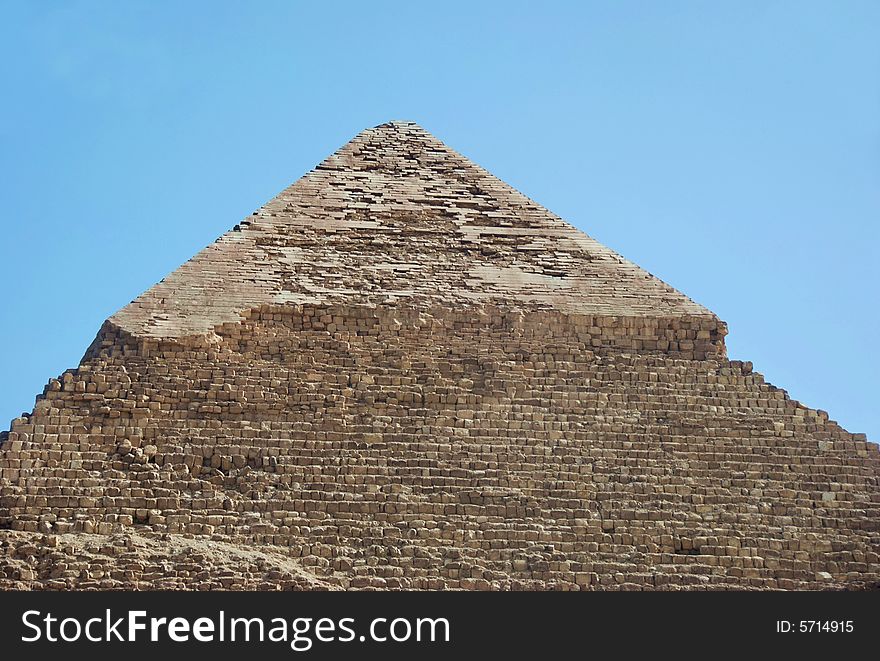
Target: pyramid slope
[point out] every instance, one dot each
(397, 216)
(390, 453)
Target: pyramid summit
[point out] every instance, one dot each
(401, 373)
(396, 216)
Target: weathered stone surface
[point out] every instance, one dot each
(401, 373)
(396, 215)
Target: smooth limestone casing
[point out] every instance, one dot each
(401, 373)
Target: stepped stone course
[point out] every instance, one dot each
(403, 374)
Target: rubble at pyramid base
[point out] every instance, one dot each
(399, 447)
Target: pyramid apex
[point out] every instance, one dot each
(395, 123)
(395, 215)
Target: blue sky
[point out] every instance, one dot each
(732, 149)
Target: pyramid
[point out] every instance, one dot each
(401, 373)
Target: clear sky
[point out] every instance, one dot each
(732, 149)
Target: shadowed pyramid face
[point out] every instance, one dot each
(395, 216)
(401, 373)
